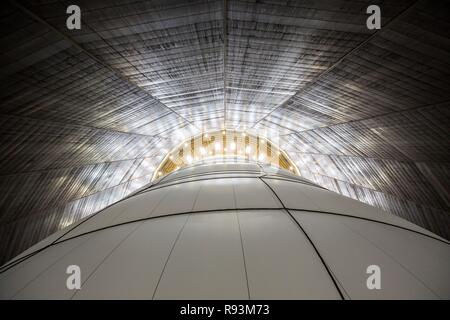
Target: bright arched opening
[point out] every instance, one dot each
(226, 145)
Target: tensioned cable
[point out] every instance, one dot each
(336, 63)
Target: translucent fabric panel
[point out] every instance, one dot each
(180, 198)
(215, 195)
(253, 193)
(291, 195)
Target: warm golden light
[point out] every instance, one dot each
(224, 144)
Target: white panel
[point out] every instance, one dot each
(141, 206)
(100, 219)
(215, 194)
(280, 261)
(51, 284)
(45, 242)
(348, 255)
(428, 259)
(207, 261)
(291, 194)
(133, 269)
(253, 193)
(180, 198)
(17, 277)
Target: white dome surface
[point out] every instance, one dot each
(234, 231)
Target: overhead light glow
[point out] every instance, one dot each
(221, 144)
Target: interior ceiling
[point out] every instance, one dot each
(221, 146)
(86, 114)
